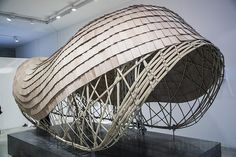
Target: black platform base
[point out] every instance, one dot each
(37, 143)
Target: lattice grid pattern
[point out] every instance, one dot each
(142, 66)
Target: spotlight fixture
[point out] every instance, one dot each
(9, 19)
(16, 39)
(58, 14)
(73, 9)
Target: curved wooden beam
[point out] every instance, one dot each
(113, 67)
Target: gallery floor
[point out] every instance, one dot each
(226, 152)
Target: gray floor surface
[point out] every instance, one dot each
(3, 139)
(226, 152)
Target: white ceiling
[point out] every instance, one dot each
(42, 9)
(35, 8)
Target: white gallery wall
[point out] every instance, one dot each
(214, 19)
(11, 116)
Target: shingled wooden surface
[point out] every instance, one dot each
(133, 56)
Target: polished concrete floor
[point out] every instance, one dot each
(226, 152)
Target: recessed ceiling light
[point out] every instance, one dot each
(73, 9)
(58, 17)
(8, 19)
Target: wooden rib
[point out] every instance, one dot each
(120, 59)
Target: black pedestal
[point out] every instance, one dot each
(37, 143)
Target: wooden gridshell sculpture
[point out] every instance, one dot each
(141, 65)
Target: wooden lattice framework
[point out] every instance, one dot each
(139, 66)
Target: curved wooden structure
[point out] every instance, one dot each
(141, 65)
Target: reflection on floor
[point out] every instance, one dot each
(226, 152)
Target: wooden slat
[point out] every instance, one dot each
(154, 38)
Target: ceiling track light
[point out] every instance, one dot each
(9, 19)
(60, 13)
(16, 39)
(73, 9)
(58, 17)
